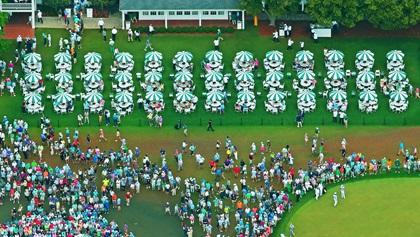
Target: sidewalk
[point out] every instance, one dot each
(113, 20)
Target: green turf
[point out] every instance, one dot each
(242, 40)
(371, 208)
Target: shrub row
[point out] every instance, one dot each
(186, 29)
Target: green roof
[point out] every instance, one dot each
(137, 5)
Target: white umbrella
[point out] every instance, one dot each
(183, 76)
(33, 77)
(395, 55)
(63, 97)
(365, 76)
(274, 76)
(93, 77)
(124, 96)
(124, 77)
(93, 57)
(397, 75)
(63, 77)
(62, 57)
(214, 55)
(274, 55)
(153, 76)
(214, 76)
(398, 95)
(215, 95)
(276, 95)
(367, 95)
(336, 74)
(338, 95)
(33, 98)
(304, 55)
(184, 96)
(32, 58)
(124, 57)
(335, 55)
(244, 56)
(184, 56)
(154, 95)
(306, 75)
(244, 76)
(93, 97)
(246, 95)
(153, 56)
(365, 55)
(306, 95)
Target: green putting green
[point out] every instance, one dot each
(371, 208)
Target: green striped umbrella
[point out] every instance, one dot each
(184, 56)
(276, 95)
(32, 58)
(153, 76)
(154, 95)
(93, 57)
(336, 74)
(214, 55)
(338, 95)
(274, 55)
(397, 75)
(94, 97)
(184, 96)
(183, 76)
(367, 95)
(365, 55)
(274, 76)
(63, 77)
(306, 95)
(153, 56)
(63, 97)
(62, 57)
(335, 55)
(244, 56)
(124, 76)
(214, 76)
(244, 76)
(398, 95)
(395, 55)
(246, 95)
(215, 95)
(304, 55)
(365, 76)
(124, 57)
(306, 75)
(32, 77)
(32, 98)
(124, 96)
(93, 77)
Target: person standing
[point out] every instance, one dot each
(114, 32)
(148, 45)
(111, 45)
(292, 229)
(19, 41)
(219, 34)
(88, 140)
(101, 24)
(401, 149)
(151, 30)
(16, 54)
(74, 56)
(276, 37)
(216, 43)
(40, 17)
(167, 209)
(316, 38)
(137, 34)
(343, 191)
(316, 132)
(49, 40)
(104, 34)
(44, 37)
(210, 125)
(289, 44)
(60, 15)
(302, 45)
(118, 135)
(299, 120)
(102, 135)
(185, 129)
(335, 197)
(130, 35)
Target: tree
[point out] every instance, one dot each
(4, 18)
(272, 8)
(389, 15)
(346, 12)
(56, 4)
(103, 3)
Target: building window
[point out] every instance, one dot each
(171, 13)
(205, 12)
(187, 13)
(161, 13)
(221, 13)
(194, 13)
(179, 13)
(153, 13)
(213, 13)
(145, 13)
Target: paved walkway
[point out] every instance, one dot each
(114, 20)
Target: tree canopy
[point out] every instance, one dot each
(56, 4)
(103, 3)
(346, 12)
(272, 8)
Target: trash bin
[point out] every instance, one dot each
(127, 25)
(239, 25)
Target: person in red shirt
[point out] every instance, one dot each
(236, 170)
(127, 198)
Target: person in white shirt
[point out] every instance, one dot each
(289, 44)
(151, 30)
(39, 15)
(316, 38)
(101, 25)
(216, 44)
(276, 37)
(114, 33)
(302, 45)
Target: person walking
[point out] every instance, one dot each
(114, 32)
(216, 43)
(167, 209)
(102, 135)
(39, 14)
(210, 125)
(185, 130)
(19, 41)
(101, 24)
(289, 44)
(276, 37)
(151, 30)
(401, 149)
(335, 198)
(343, 191)
(80, 119)
(292, 229)
(60, 15)
(219, 34)
(104, 34)
(148, 45)
(49, 40)
(117, 135)
(137, 34)
(302, 45)
(130, 35)
(111, 45)
(316, 38)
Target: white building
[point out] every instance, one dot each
(20, 7)
(200, 10)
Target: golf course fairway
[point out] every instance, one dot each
(378, 207)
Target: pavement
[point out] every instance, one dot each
(114, 20)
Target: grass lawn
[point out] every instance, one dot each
(241, 40)
(371, 208)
